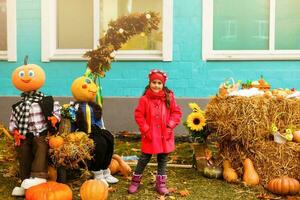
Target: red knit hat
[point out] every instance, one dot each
(158, 74)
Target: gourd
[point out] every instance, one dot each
(212, 172)
(284, 186)
(56, 142)
(229, 174)
(93, 190)
(250, 176)
(49, 190)
(125, 169)
(296, 136)
(114, 166)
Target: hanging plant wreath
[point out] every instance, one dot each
(118, 33)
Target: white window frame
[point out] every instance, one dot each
(11, 53)
(50, 51)
(207, 41)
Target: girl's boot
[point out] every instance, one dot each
(135, 183)
(161, 186)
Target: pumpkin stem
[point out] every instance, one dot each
(26, 60)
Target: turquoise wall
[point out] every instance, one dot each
(189, 76)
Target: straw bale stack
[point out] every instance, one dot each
(244, 128)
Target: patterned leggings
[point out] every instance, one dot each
(145, 158)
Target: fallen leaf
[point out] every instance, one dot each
(172, 189)
(172, 197)
(184, 193)
(112, 189)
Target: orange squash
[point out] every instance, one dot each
(284, 186)
(28, 77)
(93, 190)
(56, 142)
(84, 89)
(125, 169)
(49, 190)
(229, 174)
(114, 166)
(296, 136)
(250, 176)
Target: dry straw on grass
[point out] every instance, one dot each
(244, 126)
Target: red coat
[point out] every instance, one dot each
(156, 123)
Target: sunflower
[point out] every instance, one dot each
(195, 121)
(195, 108)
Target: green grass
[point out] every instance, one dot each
(179, 179)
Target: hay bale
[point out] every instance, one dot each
(270, 160)
(244, 126)
(249, 119)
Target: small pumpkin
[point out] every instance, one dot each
(296, 136)
(284, 186)
(84, 89)
(49, 190)
(229, 174)
(114, 166)
(28, 77)
(93, 190)
(56, 142)
(250, 176)
(213, 172)
(52, 173)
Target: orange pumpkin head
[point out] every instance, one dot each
(84, 89)
(28, 77)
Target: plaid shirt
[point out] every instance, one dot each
(37, 122)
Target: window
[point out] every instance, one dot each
(251, 30)
(72, 27)
(8, 30)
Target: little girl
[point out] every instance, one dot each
(157, 114)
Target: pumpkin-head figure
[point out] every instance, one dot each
(28, 77)
(84, 89)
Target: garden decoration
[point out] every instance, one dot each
(284, 186)
(229, 85)
(250, 176)
(49, 190)
(196, 126)
(281, 138)
(229, 174)
(244, 127)
(118, 33)
(70, 149)
(119, 165)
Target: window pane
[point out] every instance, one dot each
(287, 28)
(74, 24)
(241, 25)
(112, 9)
(3, 29)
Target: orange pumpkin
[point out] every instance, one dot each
(84, 89)
(93, 190)
(284, 186)
(28, 77)
(56, 142)
(114, 166)
(49, 190)
(296, 136)
(52, 173)
(229, 174)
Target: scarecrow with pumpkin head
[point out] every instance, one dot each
(31, 120)
(89, 120)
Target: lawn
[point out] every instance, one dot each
(184, 183)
